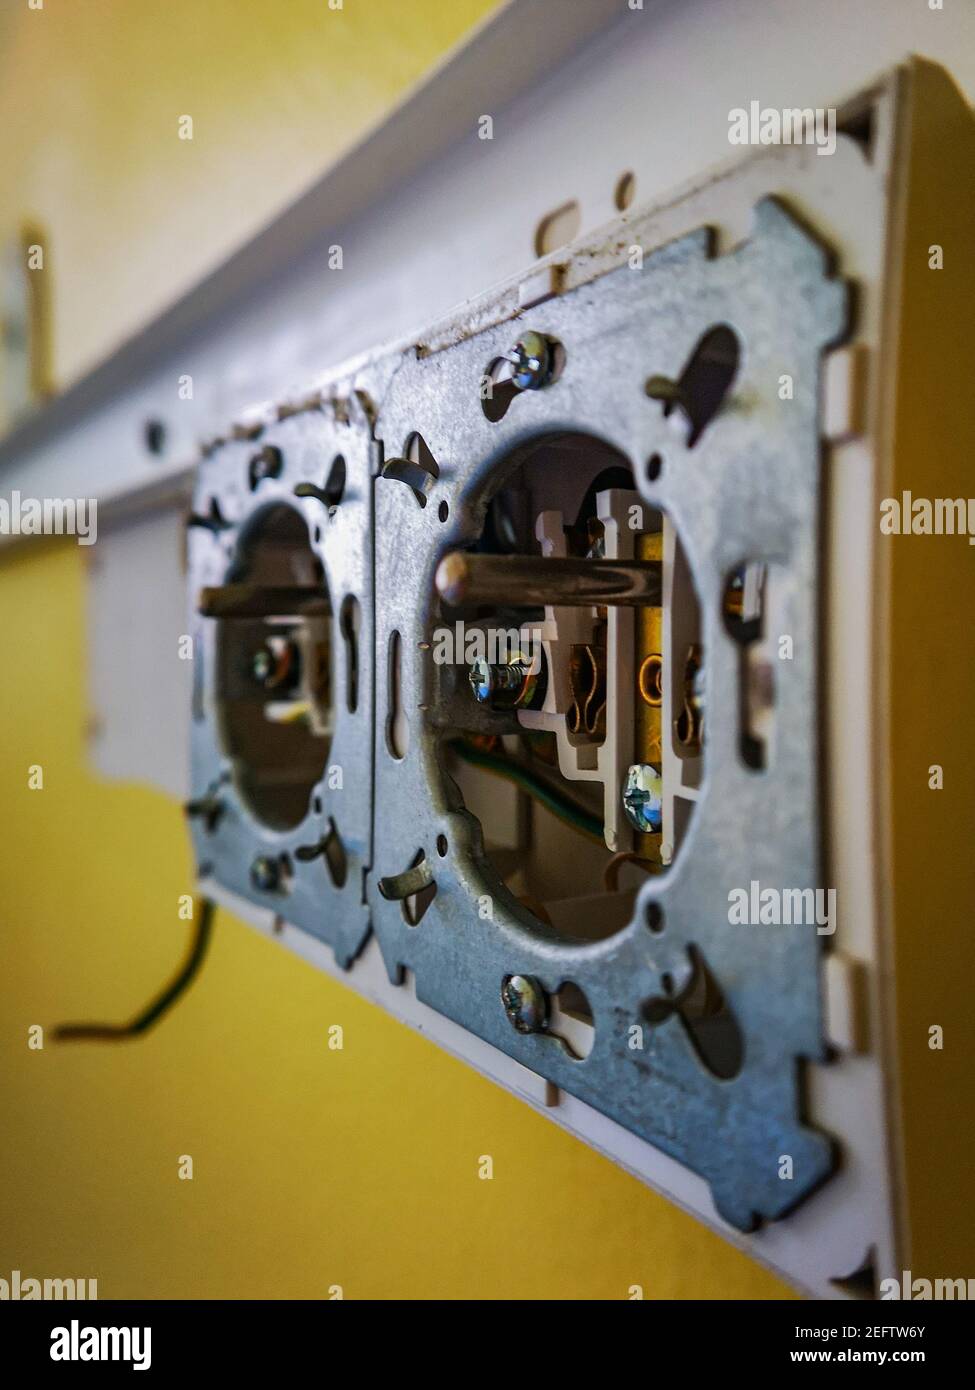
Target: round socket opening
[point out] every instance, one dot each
(274, 667)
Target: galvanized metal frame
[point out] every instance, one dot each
(750, 490)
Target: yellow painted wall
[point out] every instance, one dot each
(91, 92)
(312, 1167)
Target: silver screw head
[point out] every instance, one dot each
(481, 676)
(531, 360)
(525, 1003)
(643, 798)
(262, 665)
(265, 874)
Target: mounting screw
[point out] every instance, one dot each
(507, 685)
(262, 665)
(266, 874)
(533, 361)
(643, 798)
(266, 463)
(276, 664)
(525, 1003)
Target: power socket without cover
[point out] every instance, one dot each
(714, 406)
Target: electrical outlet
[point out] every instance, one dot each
(534, 655)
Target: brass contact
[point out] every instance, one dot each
(650, 680)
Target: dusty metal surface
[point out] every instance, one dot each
(749, 489)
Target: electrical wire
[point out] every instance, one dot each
(164, 1001)
(529, 781)
(611, 873)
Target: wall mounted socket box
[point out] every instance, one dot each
(558, 686)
